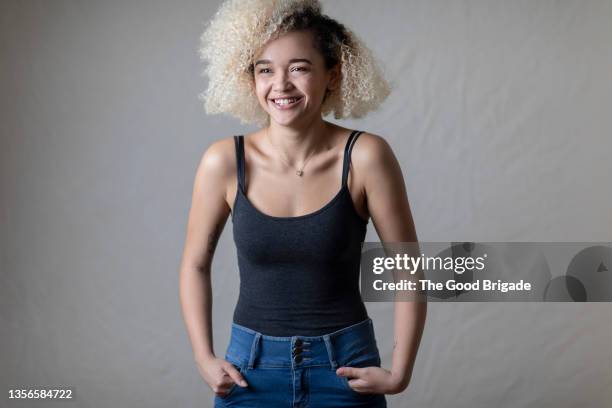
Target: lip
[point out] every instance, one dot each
(290, 106)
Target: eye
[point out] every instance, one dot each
(265, 70)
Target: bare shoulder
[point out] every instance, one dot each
(371, 150)
(218, 159)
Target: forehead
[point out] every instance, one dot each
(296, 44)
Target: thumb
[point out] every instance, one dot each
(348, 371)
(235, 375)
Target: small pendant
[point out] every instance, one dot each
(299, 172)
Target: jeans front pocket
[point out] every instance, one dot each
(235, 385)
(369, 360)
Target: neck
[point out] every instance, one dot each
(297, 144)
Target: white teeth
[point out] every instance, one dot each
(285, 101)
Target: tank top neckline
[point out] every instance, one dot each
(344, 191)
(329, 204)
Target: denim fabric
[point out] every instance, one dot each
(300, 371)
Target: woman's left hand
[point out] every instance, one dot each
(372, 380)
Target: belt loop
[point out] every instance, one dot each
(254, 350)
(330, 351)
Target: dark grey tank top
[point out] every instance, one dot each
(298, 275)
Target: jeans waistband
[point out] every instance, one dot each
(250, 348)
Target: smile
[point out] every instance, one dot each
(286, 103)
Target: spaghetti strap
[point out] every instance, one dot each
(239, 143)
(302, 253)
(347, 155)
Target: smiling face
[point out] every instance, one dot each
(290, 68)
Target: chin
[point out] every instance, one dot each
(285, 121)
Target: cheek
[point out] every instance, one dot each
(262, 90)
(313, 88)
(259, 86)
(315, 95)
(261, 94)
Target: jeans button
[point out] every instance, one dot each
(298, 342)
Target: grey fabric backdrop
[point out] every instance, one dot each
(500, 118)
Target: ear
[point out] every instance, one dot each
(335, 76)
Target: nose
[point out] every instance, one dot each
(281, 82)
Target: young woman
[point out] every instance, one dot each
(300, 191)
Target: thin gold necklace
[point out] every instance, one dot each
(299, 172)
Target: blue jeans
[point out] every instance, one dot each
(300, 371)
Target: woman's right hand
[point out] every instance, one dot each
(220, 375)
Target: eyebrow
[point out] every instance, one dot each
(290, 61)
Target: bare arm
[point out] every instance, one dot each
(390, 211)
(207, 217)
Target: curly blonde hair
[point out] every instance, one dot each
(241, 27)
